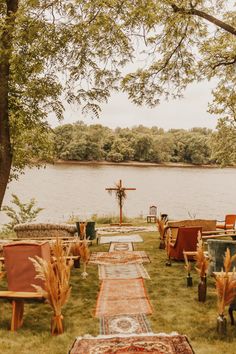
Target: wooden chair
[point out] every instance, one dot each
(186, 240)
(21, 274)
(152, 216)
(228, 223)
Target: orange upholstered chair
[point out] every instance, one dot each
(19, 268)
(186, 240)
(229, 222)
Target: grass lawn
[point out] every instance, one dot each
(175, 308)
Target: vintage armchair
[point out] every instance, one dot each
(19, 268)
(228, 223)
(186, 240)
(152, 216)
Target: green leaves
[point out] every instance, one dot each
(224, 143)
(78, 51)
(26, 212)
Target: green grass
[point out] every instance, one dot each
(106, 219)
(175, 308)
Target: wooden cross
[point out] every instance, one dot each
(120, 194)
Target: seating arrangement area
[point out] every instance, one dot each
(123, 284)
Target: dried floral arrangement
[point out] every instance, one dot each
(161, 227)
(226, 284)
(82, 228)
(56, 277)
(188, 265)
(202, 262)
(75, 247)
(85, 255)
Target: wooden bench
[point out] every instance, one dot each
(17, 299)
(214, 232)
(218, 235)
(76, 260)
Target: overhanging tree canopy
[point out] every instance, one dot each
(74, 50)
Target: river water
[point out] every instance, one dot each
(68, 189)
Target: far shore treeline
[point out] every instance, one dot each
(81, 142)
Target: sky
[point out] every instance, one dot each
(187, 112)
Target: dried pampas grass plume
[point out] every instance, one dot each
(85, 255)
(226, 284)
(188, 265)
(201, 260)
(56, 277)
(82, 229)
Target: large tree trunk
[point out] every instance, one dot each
(6, 51)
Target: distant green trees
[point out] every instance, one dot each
(197, 146)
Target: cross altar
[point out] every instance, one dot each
(120, 195)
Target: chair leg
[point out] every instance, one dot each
(231, 315)
(162, 244)
(17, 314)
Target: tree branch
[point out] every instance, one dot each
(209, 18)
(225, 63)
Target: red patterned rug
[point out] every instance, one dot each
(122, 296)
(145, 344)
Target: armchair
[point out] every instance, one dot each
(186, 240)
(228, 223)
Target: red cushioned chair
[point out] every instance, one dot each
(229, 222)
(186, 240)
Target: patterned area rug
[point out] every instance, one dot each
(121, 246)
(121, 296)
(124, 324)
(122, 271)
(120, 238)
(125, 257)
(145, 344)
(124, 229)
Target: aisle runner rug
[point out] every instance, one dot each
(145, 344)
(122, 271)
(124, 324)
(125, 257)
(120, 238)
(121, 296)
(121, 246)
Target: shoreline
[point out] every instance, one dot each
(136, 164)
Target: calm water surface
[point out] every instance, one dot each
(65, 190)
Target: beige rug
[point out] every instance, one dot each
(126, 257)
(121, 296)
(122, 271)
(124, 324)
(120, 238)
(121, 246)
